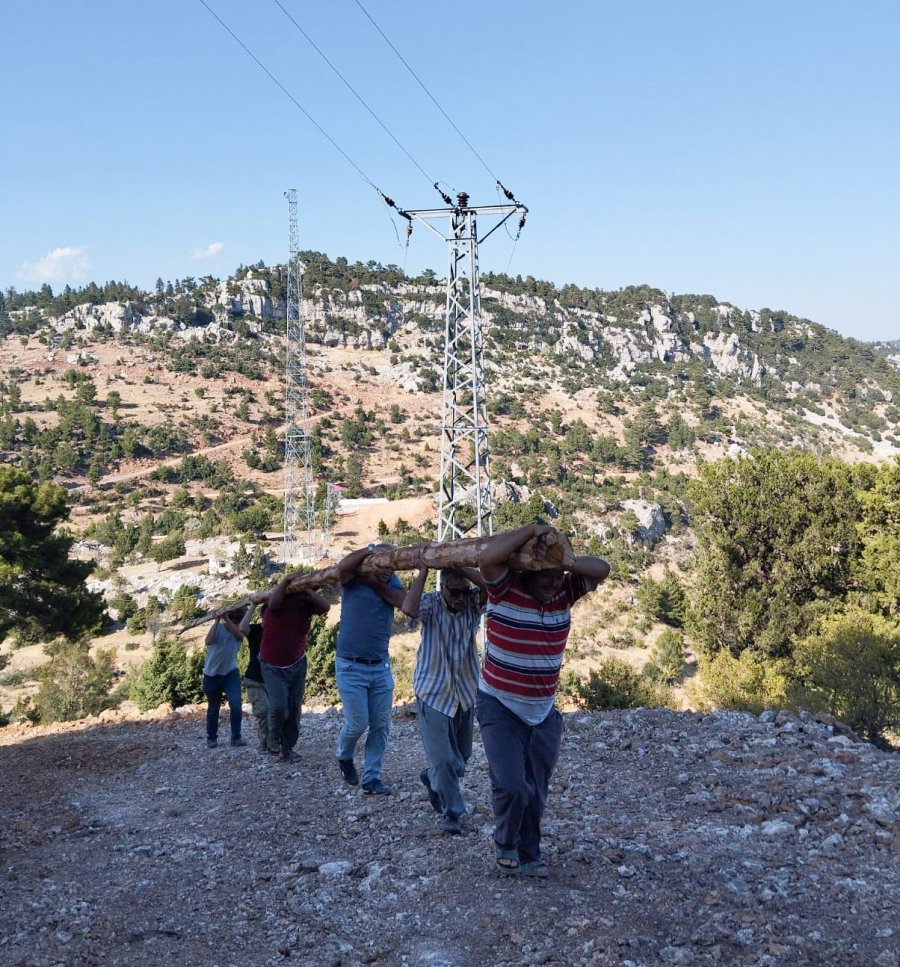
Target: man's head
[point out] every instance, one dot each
(543, 585)
(236, 615)
(454, 588)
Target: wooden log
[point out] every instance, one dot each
(548, 550)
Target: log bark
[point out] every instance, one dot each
(549, 550)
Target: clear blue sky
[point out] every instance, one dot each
(746, 150)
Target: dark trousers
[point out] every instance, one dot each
(521, 758)
(284, 689)
(213, 687)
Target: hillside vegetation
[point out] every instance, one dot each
(733, 465)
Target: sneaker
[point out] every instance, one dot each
(376, 787)
(238, 743)
(348, 771)
(433, 796)
(211, 743)
(452, 824)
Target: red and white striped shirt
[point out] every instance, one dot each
(526, 639)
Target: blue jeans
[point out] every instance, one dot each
(520, 758)
(284, 690)
(213, 687)
(366, 692)
(448, 745)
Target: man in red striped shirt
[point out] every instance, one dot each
(527, 629)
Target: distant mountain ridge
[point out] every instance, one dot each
(636, 343)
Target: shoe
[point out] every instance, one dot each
(433, 796)
(348, 771)
(289, 756)
(376, 787)
(273, 746)
(238, 743)
(263, 745)
(536, 868)
(452, 825)
(211, 743)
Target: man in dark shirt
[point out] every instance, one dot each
(282, 658)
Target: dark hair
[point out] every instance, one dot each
(235, 615)
(453, 572)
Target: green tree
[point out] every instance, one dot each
(850, 667)
(879, 565)
(667, 658)
(74, 684)
(170, 675)
(663, 600)
(320, 652)
(42, 591)
(746, 683)
(776, 546)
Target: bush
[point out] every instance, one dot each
(851, 668)
(73, 684)
(320, 651)
(663, 600)
(749, 683)
(615, 684)
(667, 658)
(170, 675)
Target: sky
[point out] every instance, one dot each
(750, 151)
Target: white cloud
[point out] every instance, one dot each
(210, 252)
(67, 264)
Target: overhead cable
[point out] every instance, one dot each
(296, 103)
(425, 89)
(353, 91)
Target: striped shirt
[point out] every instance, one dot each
(526, 639)
(446, 675)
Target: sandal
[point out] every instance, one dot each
(507, 861)
(536, 868)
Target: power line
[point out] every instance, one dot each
(296, 103)
(425, 89)
(354, 92)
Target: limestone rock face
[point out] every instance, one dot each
(725, 353)
(650, 517)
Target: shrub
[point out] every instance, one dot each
(320, 651)
(170, 675)
(851, 668)
(615, 684)
(73, 684)
(663, 600)
(667, 658)
(748, 683)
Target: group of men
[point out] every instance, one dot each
(511, 690)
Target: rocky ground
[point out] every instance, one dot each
(674, 838)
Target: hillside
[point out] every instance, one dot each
(674, 838)
(161, 414)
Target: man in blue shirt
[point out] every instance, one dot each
(445, 682)
(363, 667)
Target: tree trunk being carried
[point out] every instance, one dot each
(548, 550)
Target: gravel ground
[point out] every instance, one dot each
(673, 838)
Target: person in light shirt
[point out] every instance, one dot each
(445, 681)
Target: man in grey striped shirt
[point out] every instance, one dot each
(445, 681)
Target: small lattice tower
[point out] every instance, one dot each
(300, 544)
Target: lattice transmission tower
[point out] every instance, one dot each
(465, 507)
(300, 540)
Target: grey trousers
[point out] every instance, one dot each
(448, 745)
(521, 758)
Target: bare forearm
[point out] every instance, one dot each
(347, 565)
(594, 568)
(413, 597)
(498, 549)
